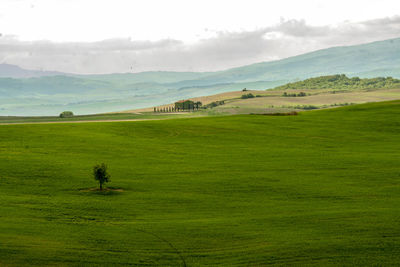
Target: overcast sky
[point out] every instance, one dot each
(99, 36)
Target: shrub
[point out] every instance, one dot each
(66, 114)
(294, 94)
(307, 107)
(214, 104)
(301, 94)
(247, 96)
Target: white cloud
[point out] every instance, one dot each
(187, 20)
(224, 50)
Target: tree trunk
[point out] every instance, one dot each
(101, 186)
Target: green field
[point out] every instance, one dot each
(319, 188)
(96, 117)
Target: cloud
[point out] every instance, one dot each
(223, 50)
(346, 33)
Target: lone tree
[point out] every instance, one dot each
(100, 174)
(66, 114)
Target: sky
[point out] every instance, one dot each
(103, 36)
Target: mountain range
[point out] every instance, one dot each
(33, 92)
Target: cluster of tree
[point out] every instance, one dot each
(66, 114)
(338, 105)
(306, 107)
(215, 104)
(164, 109)
(186, 105)
(294, 94)
(247, 96)
(341, 81)
(309, 107)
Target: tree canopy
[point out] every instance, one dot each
(341, 81)
(66, 114)
(100, 174)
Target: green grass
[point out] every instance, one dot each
(342, 82)
(319, 188)
(318, 98)
(96, 117)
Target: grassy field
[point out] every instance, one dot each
(319, 188)
(319, 99)
(273, 100)
(97, 117)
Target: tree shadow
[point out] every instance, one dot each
(105, 191)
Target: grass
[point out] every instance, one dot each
(319, 188)
(270, 101)
(319, 99)
(96, 117)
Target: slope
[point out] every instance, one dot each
(320, 188)
(137, 90)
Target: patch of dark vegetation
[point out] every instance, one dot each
(106, 189)
(301, 94)
(341, 81)
(305, 107)
(247, 96)
(338, 105)
(310, 107)
(215, 104)
(66, 114)
(291, 113)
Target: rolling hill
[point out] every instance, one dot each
(313, 93)
(342, 82)
(12, 71)
(320, 188)
(51, 93)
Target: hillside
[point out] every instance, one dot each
(342, 82)
(113, 92)
(314, 93)
(318, 188)
(366, 60)
(12, 71)
(319, 92)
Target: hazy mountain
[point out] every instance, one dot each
(378, 58)
(28, 92)
(12, 71)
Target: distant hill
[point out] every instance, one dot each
(341, 81)
(367, 60)
(13, 71)
(28, 92)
